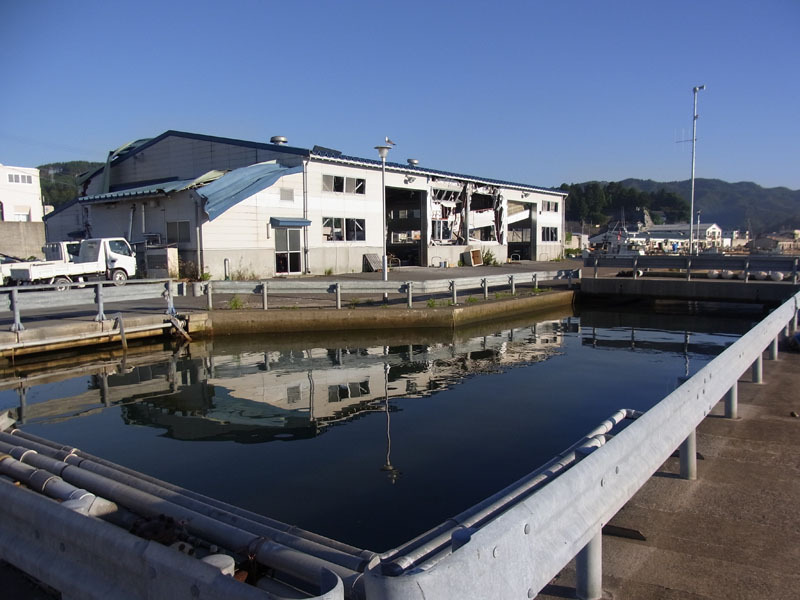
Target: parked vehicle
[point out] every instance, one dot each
(97, 258)
(55, 252)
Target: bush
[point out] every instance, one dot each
(488, 258)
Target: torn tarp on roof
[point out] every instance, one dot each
(233, 187)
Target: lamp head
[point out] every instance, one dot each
(383, 151)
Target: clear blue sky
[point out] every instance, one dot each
(540, 92)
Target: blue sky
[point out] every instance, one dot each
(535, 92)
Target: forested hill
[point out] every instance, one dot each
(60, 180)
(742, 205)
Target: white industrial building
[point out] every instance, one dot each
(270, 209)
(20, 194)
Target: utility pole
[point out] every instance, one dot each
(694, 143)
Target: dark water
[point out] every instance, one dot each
(369, 439)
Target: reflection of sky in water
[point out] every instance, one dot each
(301, 435)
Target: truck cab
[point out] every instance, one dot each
(114, 254)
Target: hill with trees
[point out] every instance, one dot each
(60, 180)
(742, 205)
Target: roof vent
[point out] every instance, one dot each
(412, 162)
(279, 140)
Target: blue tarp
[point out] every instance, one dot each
(233, 187)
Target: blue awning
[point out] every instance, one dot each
(281, 222)
(233, 187)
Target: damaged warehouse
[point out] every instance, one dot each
(268, 209)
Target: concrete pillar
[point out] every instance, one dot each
(688, 457)
(758, 369)
(773, 349)
(732, 402)
(589, 569)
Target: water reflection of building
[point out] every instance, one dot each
(283, 394)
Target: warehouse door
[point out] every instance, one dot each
(288, 250)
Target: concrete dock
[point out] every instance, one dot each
(734, 533)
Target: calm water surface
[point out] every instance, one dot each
(365, 442)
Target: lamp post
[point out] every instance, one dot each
(694, 143)
(698, 231)
(383, 151)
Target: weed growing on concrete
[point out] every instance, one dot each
(235, 303)
(355, 302)
(488, 258)
(472, 300)
(431, 303)
(329, 271)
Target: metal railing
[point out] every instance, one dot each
(370, 287)
(748, 265)
(21, 299)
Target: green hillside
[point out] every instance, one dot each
(60, 180)
(742, 205)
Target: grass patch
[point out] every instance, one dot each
(235, 303)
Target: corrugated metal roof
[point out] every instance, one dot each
(145, 190)
(239, 184)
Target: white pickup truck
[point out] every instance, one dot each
(103, 258)
(55, 252)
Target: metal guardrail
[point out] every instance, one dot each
(703, 262)
(408, 288)
(518, 552)
(40, 297)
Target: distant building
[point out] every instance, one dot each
(20, 194)
(269, 209)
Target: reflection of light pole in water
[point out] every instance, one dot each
(392, 473)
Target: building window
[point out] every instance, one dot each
(17, 178)
(549, 234)
(440, 229)
(550, 206)
(178, 232)
(351, 185)
(336, 229)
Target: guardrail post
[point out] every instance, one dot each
(635, 266)
(688, 269)
(688, 456)
(746, 270)
(485, 286)
(170, 302)
(758, 369)
(17, 325)
(512, 284)
(773, 349)
(209, 293)
(536, 280)
(732, 402)
(596, 259)
(794, 320)
(410, 293)
(589, 569)
(794, 272)
(264, 295)
(338, 287)
(569, 279)
(98, 298)
(453, 287)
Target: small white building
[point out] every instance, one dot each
(20, 194)
(268, 209)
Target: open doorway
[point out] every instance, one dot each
(405, 219)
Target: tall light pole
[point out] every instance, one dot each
(698, 231)
(694, 143)
(383, 151)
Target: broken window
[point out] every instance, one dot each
(350, 185)
(332, 229)
(549, 234)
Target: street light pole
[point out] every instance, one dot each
(383, 151)
(698, 231)
(694, 143)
